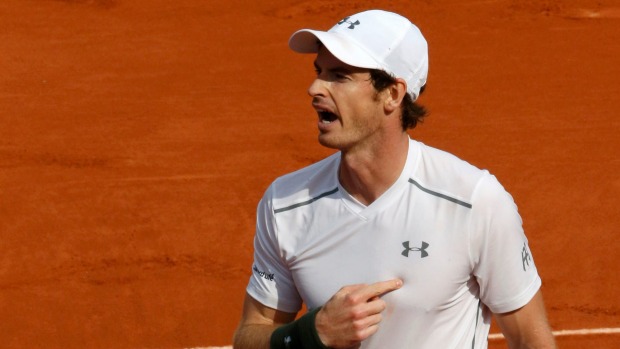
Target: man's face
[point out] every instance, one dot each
(350, 110)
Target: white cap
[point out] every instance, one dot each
(373, 39)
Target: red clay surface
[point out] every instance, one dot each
(136, 138)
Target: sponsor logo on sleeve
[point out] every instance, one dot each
(526, 257)
(263, 274)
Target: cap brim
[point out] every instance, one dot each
(341, 46)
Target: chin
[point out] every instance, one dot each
(331, 142)
(327, 142)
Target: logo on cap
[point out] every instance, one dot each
(351, 24)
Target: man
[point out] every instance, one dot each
(389, 243)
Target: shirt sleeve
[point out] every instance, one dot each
(271, 282)
(502, 262)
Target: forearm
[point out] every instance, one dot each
(547, 343)
(253, 336)
(539, 338)
(300, 333)
(527, 328)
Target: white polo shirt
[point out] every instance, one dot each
(447, 229)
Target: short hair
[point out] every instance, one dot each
(412, 112)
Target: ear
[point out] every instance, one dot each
(395, 94)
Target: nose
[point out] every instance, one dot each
(317, 88)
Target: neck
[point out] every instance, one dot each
(366, 174)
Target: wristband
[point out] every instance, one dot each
(299, 334)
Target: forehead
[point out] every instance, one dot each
(326, 60)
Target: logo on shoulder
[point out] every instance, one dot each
(263, 274)
(526, 257)
(422, 249)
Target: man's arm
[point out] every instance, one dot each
(350, 316)
(527, 327)
(257, 324)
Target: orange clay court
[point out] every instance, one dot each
(136, 138)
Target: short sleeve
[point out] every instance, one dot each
(271, 282)
(502, 262)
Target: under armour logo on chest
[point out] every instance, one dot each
(422, 249)
(351, 24)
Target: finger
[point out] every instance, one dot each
(373, 320)
(374, 306)
(380, 288)
(365, 327)
(371, 327)
(352, 288)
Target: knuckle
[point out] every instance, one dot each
(357, 314)
(362, 332)
(356, 334)
(351, 298)
(359, 337)
(359, 327)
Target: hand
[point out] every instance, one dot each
(353, 314)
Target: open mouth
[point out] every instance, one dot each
(327, 117)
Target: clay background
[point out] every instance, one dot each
(136, 138)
